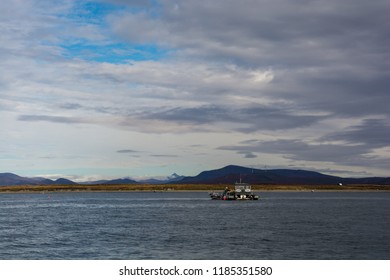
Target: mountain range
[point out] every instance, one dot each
(10, 179)
(232, 173)
(226, 175)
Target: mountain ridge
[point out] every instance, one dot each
(234, 173)
(11, 179)
(225, 175)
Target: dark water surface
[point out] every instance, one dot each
(281, 225)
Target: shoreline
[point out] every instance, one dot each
(189, 188)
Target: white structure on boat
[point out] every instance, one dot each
(242, 191)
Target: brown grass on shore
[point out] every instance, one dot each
(187, 187)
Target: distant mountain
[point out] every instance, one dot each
(99, 182)
(232, 173)
(170, 179)
(175, 177)
(120, 181)
(63, 181)
(7, 179)
(10, 179)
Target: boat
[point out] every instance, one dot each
(242, 191)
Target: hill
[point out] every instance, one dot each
(233, 173)
(10, 179)
(120, 181)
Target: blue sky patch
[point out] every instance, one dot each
(109, 50)
(113, 53)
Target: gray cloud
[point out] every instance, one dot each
(166, 156)
(247, 119)
(353, 146)
(71, 106)
(54, 119)
(296, 149)
(247, 154)
(127, 151)
(326, 55)
(198, 115)
(374, 133)
(236, 28)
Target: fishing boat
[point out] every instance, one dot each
(242, 191)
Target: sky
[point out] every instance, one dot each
(116, 88)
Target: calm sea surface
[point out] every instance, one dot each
(281, 225)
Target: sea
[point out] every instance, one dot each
(189, 225)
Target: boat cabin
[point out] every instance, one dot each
(243, 188)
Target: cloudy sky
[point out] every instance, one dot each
(115, 88)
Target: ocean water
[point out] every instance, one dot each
(129, 225)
